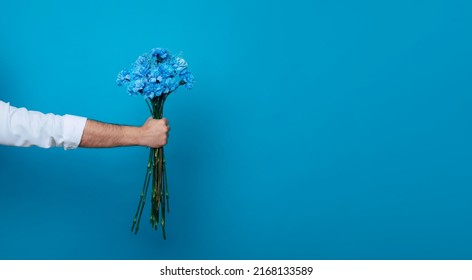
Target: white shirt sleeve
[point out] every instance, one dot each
(23, 128)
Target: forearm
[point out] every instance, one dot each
(102, 135)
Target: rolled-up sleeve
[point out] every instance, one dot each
(22, 128)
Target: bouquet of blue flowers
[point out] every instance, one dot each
(155, 75)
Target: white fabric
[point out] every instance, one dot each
(23, 128)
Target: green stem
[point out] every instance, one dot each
(156, 172)
(155, 200)
(166, 186)
(142, 199)
(146, 184)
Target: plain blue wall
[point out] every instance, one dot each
(316, 130)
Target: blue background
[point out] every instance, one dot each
(316, 130)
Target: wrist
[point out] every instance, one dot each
(134, 136)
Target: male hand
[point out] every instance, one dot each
(154, 133)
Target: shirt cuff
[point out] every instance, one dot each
(73, 130)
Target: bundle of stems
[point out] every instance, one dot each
(155, 176)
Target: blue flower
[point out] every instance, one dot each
(142, 59)
(179, 64)
(165, 70)
(123, 78)
(156, 73)
(131, 90)
(170, 84)
(152, 89)
(140, 72)
(159, 53)
(189, 79)
(183, 72)
(136, 87)
(167, 85)
(141, 67)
